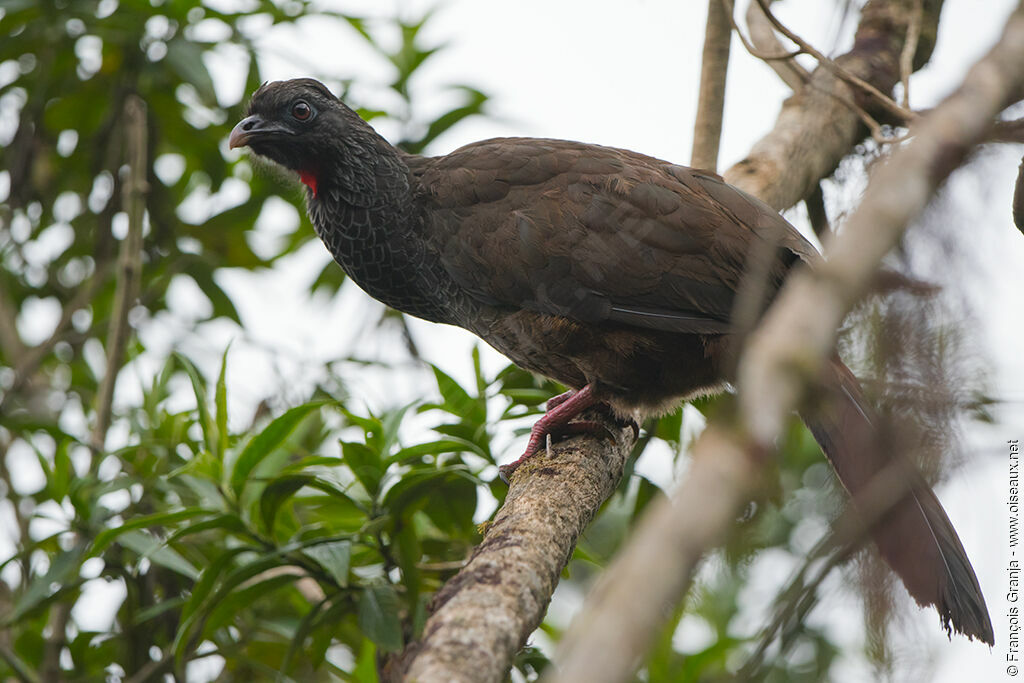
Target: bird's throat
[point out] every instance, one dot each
(309, 180)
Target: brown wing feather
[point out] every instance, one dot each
(596, 233)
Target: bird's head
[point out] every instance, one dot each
(302, 126)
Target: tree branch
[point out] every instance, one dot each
(909, 49)
(483, 616)
(129, 263)
(764, 41)
(880, 98)
(817, 127)
(707, 130)
(619, 622)
(1018, 199)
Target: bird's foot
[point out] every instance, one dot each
(556, 401)
(557, 421)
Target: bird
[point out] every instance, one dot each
(623, 277)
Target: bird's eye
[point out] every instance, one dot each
(302, 111)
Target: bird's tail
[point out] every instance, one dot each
(915, 537)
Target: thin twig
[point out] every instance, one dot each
(129, 263)
(816, 213)
(763, 36)
(849, 532)
(707, 129)
(51, 672)
(11, 346)
(753, 49)
(1007, 131)
(886, 102)
(909, 49)
(18, 668)
(31, 358)
(801, 75)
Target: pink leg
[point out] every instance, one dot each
(556, 401)
(561, 410)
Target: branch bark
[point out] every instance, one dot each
(614, 631)
(483, 616)
(129, 263)
(763, 37)
(707, 130)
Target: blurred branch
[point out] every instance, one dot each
(619, 622)
(29, 359)
(707, 130)
(764, 40)
(129, 262)
(816, 212)
(1018, 199)
(1007, 131)
(55, 642)
(483, 616)
(886, 489)
(10, 343)
(18, 668)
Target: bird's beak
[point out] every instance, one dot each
(251, 127)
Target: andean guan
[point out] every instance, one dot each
(612, 272)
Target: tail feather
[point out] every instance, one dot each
(915, 537)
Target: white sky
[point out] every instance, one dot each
(625, 74)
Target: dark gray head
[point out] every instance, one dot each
(302, 126)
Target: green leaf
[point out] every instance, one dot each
(222, 304)
(309, 461)
(448, 120)
(451, 508)
(365, 464)
(200, 593)
(421, 486)
(266, 441)
(302, 631)
(108, 536)
(372, 427)
(529, 397)
(408, 551)
(457, 400)
(644, 495)
(155, 551)
(62, 573)
(450, 445)
(227, 522)
(334, 557)
(207, 424)
(186, 59)
(378, 616)
(222, 403)
(366, 667)
(670, 428)
(235, 601)
(277, 492)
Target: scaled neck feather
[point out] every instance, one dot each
(364, 211)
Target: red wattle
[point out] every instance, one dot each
(309, 180)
